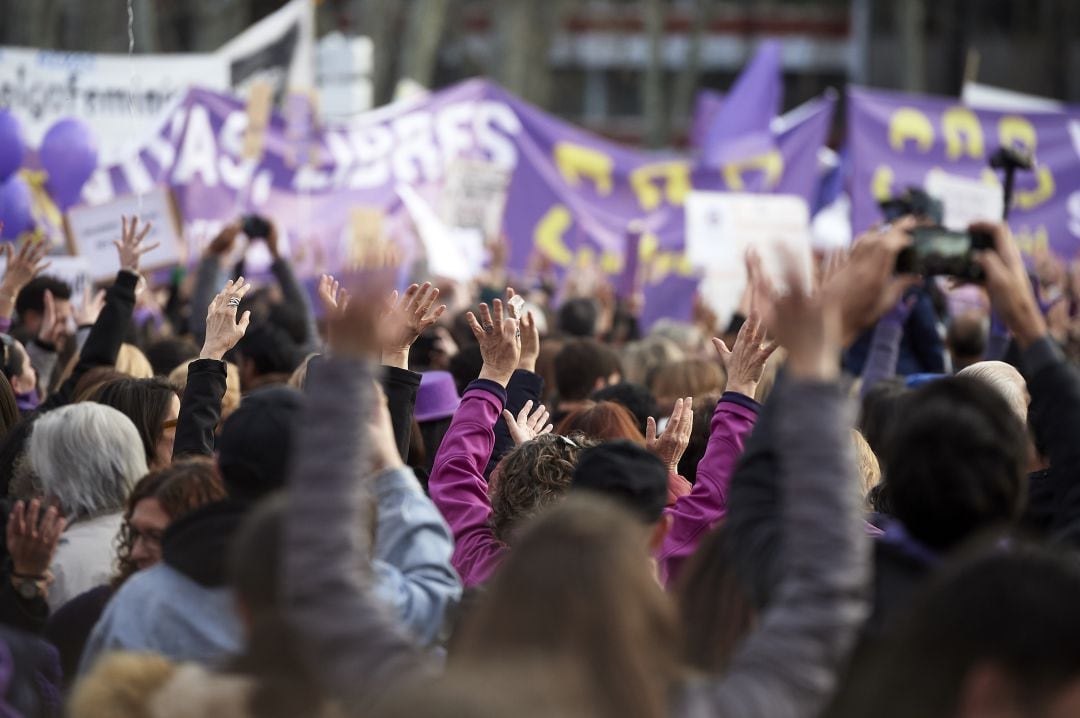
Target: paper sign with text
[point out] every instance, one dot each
(965, 200)
(722, 226)
(475, 196)
(92, 230)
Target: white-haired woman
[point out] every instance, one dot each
(87, 457)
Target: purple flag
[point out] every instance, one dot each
(741, 125)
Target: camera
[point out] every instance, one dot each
(939, 251)
(255, 227)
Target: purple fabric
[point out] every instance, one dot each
(457, 484)
(571, 193)
(740, 127)
(897, 139)
(706, 504)
(27, 401)
(437, 397)
(884, 352)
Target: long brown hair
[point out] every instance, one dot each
(579, 587)
(180, 488)
(603, 421)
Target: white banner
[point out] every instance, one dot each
(123, 98)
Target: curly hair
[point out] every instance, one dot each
(532, 477)
(180, 488)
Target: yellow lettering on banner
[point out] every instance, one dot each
(963, 133)
(1044, 191)
(586, 258)
(907, 123)
(771, 163)
(648, 247)
(548, 236)
(576, 162)
(674, 177)
(881, 183)
(1016, 131)
(611, 262)
(1032, 242)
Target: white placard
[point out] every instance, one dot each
(452, 253)
(965, 200)
(73, 270)
(721, 226)
(92, 230)
(123, 97)
(475, 196)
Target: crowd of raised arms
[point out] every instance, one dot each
(860, 497)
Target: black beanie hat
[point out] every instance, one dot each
(256, 442)
(627, 473)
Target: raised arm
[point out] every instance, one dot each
(209, 275)
(107, 334)
(732, 422)
(342, 632)
(1054, 384)
(525, 384)
(293, 292)
(884, 352)
(789, 665)
(23, 264)
(457, 484)
(200, 409)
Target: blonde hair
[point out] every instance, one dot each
(132, 362)
(120, 685)
(229, 403)
(1005, 380)
(642, 358)
(869, 468)
(299, 377)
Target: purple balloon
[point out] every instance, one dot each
(11, 145)
(69, 155)
(15, 208)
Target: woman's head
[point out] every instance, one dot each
(153, 406)
(17, 367)
(603, 421)
(689, 377)
(955, 462)
(715, 606)
(87, 457)
(869, 468)
(641, 359)
(579, 586)
(90, 383)
(130, 361)
(530, 478)
(994, 634)
(157, 500)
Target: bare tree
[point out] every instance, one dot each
(521, 57)
(382, 20)
(910, 19)
(423, 35)
(654, 103)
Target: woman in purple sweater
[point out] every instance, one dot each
(457, 484)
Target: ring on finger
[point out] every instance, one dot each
(234, 301)
(489, 328)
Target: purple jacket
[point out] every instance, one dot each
(458, 488)
(693, 515)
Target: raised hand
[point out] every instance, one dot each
(53, 332)
(91, 307)
(410, 316)
(223, 331)
(130, 247)
(333, 297)
(671, 445)
(23, 264)
(807, 322)
(527, 426)
(864, 285)
(530, 334)
(745, 362)
(30, 543)
(224, 242)
(500, 342)
(1008, 285)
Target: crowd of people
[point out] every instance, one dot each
(856, 498)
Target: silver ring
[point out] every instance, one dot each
(489, 328)
(234, 301)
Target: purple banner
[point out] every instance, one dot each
(897, 139)
(571, 194)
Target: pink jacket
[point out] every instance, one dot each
(458, 488)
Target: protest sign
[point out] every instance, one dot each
(900, 140)
(91, 231)
(475, 195)
(965, 200)
(123, 98)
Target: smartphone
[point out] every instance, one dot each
(256, 227)
(939, 251)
